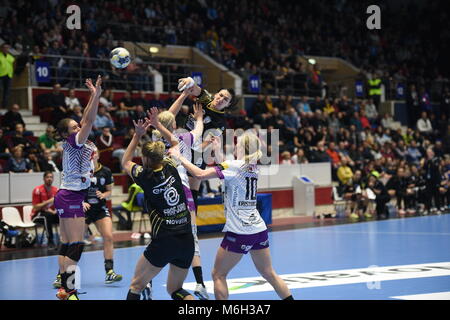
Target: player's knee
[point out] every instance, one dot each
(75, 250)
(217, 275)
(107, 238)
(180, 294)
(268, 274)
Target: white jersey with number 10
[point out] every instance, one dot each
(240, 186)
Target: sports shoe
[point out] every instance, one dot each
(146, 294)
(111, 277)
(368, 215)
(73, 295)
(57, 282)
(200, 292)
(353, 216)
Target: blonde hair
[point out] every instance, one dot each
(154, 151)
(252, 147)
(167, 119)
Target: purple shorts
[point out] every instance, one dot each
(189, 199)
(68, 203)
(243, 243)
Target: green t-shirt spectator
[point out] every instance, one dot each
(47, 141)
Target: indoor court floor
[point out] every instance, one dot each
(390, 259)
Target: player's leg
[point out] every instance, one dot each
(175, 280)
(104, 226)
(263, 263)
(61, 256)
(225, 261)
(143, 273)
(74, 229)
(191, 196)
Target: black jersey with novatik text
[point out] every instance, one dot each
(164, 194)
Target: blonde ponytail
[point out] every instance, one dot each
(154, 151)
(250, 142)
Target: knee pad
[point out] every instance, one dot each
(180, 294)
(63, 249)
(75, 250)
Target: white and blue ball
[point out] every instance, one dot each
(120, 57)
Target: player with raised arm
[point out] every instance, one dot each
(76, 177)
(245, 230)
(172, 241)
(213, 122)
(165, 124)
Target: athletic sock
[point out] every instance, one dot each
(289, 298)
(64, 277)
(198, 275)
(109, 265)
(133, 296)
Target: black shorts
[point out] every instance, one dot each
(174, 249)
(95, 214)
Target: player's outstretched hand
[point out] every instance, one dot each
(141, 127)
(98, 86)
(90, 86)
(198, 112)
(152, 116)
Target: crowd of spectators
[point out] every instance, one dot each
(263, 37)
(364, 148)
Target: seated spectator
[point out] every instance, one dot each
(43, 209)
(414, 155)
(286, 158)
(126, 104)
(365, 122)
(72, 101)
(77, 114)
(387, 121)
(300, 157)
(47, 162)
(56, 101)
(47, 140)
(19, 140)
(143, 101)
(333, 154)
(17, 163)
(344, 172)
(292, 120)
(104, 141)
(317, 104)
(318, 153)
(401, 152)
(34, 158)
(106, 100)
(371, 111)
(303, 105)
(4, 148)
(12, 117)
(139, 113)
(102, 120)
(424, 124)
(157, 102)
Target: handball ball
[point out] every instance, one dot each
(120, 58)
